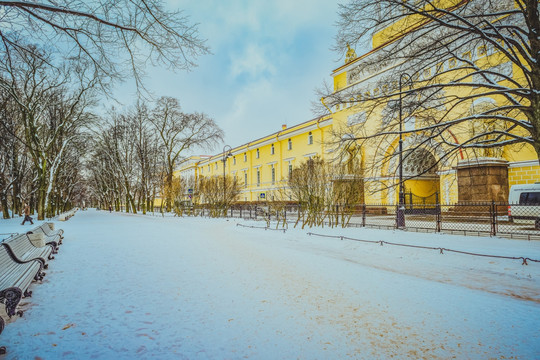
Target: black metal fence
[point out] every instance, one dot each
(482, 219)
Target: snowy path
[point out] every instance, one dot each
(127, 286)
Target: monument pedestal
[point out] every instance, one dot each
(482, 180)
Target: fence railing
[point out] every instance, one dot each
(522, 221)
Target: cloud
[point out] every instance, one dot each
(268, 56)
(254, 60)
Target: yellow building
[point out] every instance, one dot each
(364, 106)
(264, 165)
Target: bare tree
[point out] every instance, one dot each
(179, 132)
(278, 200)
(148, 154)
(118, 142)
(311, 187)
(469, 73)
(50, 110)
(347, 186)
(104, 179)
(12, 159)
(70, 186)
(218, 195)
(116, 38)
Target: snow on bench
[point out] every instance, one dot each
(66, 215)
(23, 250)
(48, 230)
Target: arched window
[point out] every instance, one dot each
(272, 149)
(257, 154)
(289, 144)
(310, 138)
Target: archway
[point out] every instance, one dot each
(422, 182)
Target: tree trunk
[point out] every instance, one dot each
(168, 189)
(5, 206)
(16, 192)
(42, 191)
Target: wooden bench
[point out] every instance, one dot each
(48, 229)
(2, 348)
(22, 250)
(53, 236)
(15, 278)
(66, 215)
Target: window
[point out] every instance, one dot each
(529, 198)
(234, 160)
(245, 157)
(208, 167)
(290, 170)
(257, 156)
(289, 144)
(273, 174)
(310, 138)
(245, 179)
(223, 165)
(258, 177)
(272, 149)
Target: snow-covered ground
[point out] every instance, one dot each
(134, 286)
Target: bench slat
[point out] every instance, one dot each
(15, 278)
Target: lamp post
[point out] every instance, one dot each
(226, 153)
(400, 219)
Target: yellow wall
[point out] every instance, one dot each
(405, 24)
(340, 81)
(523, 175)
(422, 187)
(301, 150)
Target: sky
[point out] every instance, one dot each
(268, 57)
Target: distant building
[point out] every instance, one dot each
(263, 166)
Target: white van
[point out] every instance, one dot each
(524, 204)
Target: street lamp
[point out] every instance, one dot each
(226, 153)
(401, 206)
